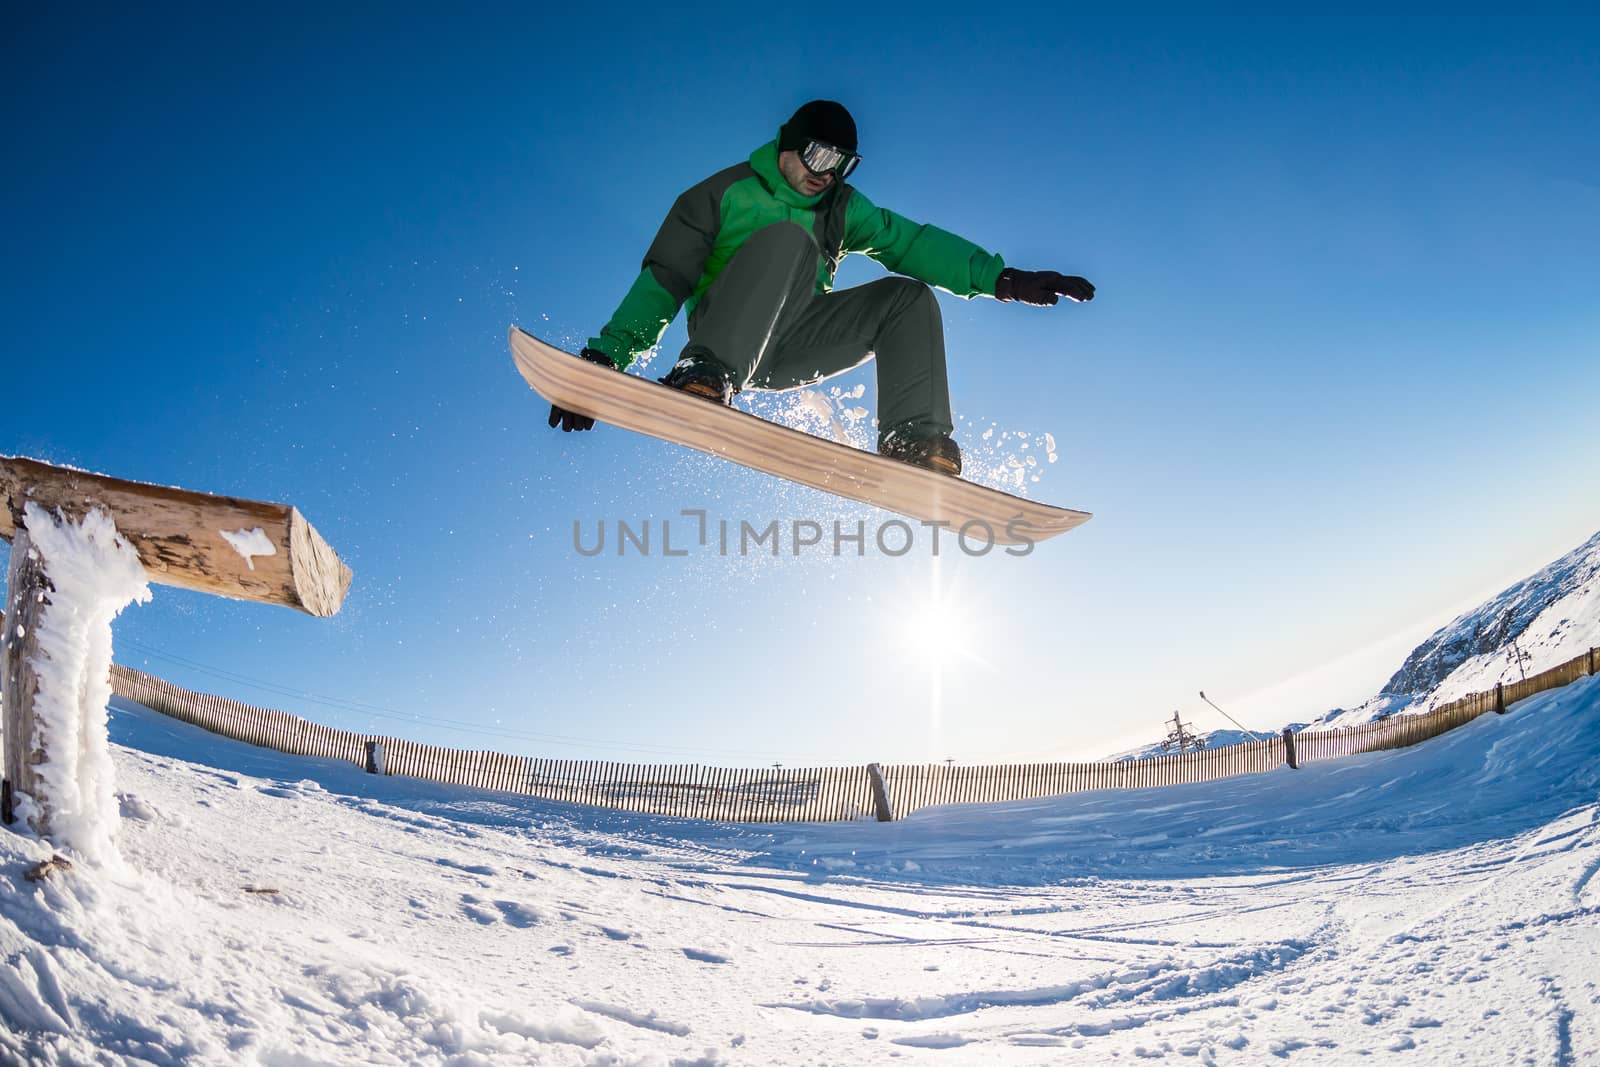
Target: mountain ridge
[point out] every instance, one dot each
(1532, 625)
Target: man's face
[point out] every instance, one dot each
(799, 178)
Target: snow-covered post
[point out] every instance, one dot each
(83, 547)
(67, 581)
(27, 587)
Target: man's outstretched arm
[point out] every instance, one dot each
(952, 263)
(923, 252)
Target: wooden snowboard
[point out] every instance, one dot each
(647, 407)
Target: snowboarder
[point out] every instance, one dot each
(752, 251)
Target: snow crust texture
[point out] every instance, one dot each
(1438, 901)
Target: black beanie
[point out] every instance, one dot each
(820, 120)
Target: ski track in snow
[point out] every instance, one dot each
(1440, 900)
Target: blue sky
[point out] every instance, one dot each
(1337, 384)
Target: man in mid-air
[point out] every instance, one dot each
(752, 251)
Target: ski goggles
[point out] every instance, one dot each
(822, 158)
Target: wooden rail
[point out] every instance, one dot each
(182, 537)
(821, 794)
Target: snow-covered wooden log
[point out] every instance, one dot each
(243, 549)
(83, 546)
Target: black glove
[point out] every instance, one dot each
(1041, 288)
(571, 420)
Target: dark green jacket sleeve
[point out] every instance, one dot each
(926, 253)
(671, 268)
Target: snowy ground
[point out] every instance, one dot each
(1440, 902)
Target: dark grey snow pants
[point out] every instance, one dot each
(763, 319)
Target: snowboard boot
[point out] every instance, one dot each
(702, 376)
(936, 451)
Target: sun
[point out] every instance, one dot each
(935, 631)
(935, 625)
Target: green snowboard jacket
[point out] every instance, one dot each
(709, 223)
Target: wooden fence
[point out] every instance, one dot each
(916, 786)
(777, 794)
(821, 794)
